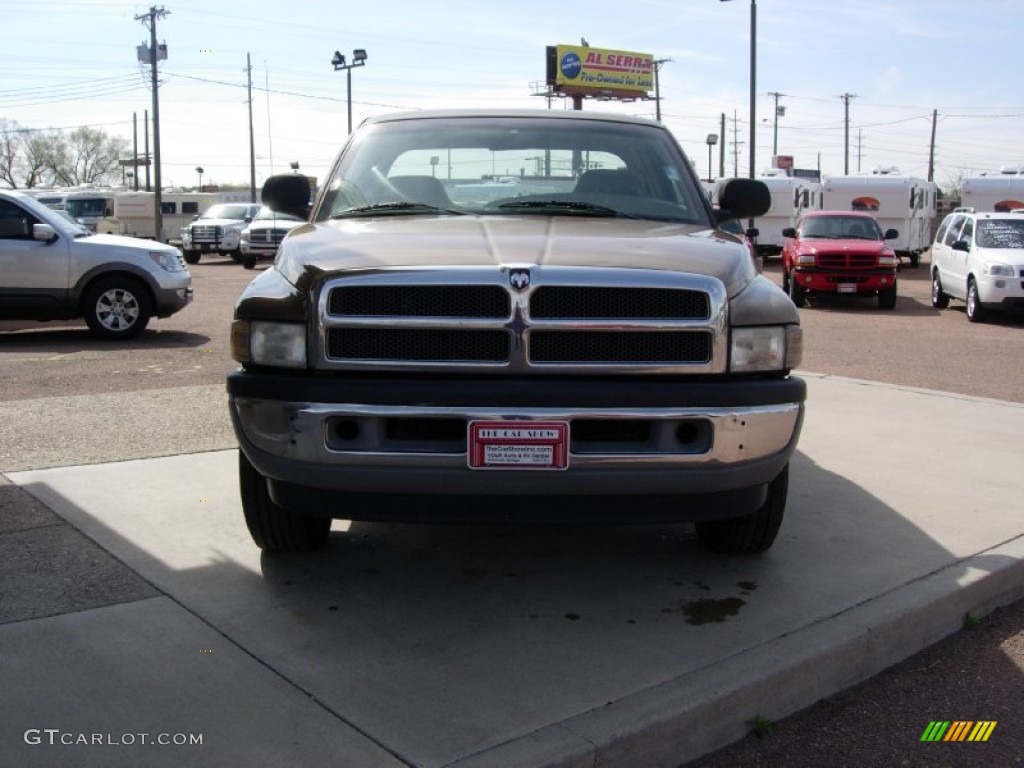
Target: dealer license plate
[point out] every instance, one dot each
(847, 287)
(518, 445)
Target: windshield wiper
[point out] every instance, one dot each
(573, 206)
(394, 208)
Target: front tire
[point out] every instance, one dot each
(975, 312)
(249, 262)
(796, 291)
(940, 300)
(272, 528)
(887, 297)
(116, 308)
(751, 533)
(192, 257)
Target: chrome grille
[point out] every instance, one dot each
(577, 320)
(206, 233)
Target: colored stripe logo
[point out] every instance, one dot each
(958, 730)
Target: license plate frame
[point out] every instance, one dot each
(515, 444)
(847, 287)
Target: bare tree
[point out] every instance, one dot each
(11, 141)
(86, 156)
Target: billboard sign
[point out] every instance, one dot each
(579, 69)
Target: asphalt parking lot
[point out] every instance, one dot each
(492, 645)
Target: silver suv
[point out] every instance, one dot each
(52, 268)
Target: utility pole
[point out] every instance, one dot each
(846, 133)
(775, 126)
(252, 144)
(860, 146)
(721, 149)
(149, 20)
(931, 147)
(657, 87)
(735, 145)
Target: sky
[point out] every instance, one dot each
(70, 63)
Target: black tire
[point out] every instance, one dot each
(785, 281)
(272, 528)
(117, 307)
(915, 259)
(940, 300)
(887, 297)
(236, 256)
(751, 533)
(975, 312)
(796, 292)
(249, 262)
(192, 257)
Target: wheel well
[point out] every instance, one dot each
(85, 285)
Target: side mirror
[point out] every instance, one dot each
(891, 234)
(743, 198)
(753, 232)
(789, 232)
(287, 193)
(962, 245)
(44, 232)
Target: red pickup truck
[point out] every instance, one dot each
(839, 252)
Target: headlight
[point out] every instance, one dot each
(769, 348)
(168, 260)
(997, 270)
(805, 259)
(267, 343)
(245, 237)
(887, 261)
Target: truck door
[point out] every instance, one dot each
(33, 273)
(951, 270)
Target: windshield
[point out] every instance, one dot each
(526, 165)
(840, 228)
(1001, 233)
(93, 206)
(227, 211)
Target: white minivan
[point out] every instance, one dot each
(978, 258)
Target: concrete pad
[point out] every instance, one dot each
(148, 683)
(481, 646)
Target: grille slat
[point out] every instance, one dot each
(570, 301)
(418, 345)
(477, 301)
(682, 347)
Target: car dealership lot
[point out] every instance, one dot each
(485, 645)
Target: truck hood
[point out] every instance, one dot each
(134, 245)
(218, 223)
(417, 242)
(860, 247)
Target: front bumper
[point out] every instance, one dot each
(1002, 293)
(844, 282)
(719, 443)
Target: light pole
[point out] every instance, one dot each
(753, 82)
(711, 141)
(199, 170)
(358, 60)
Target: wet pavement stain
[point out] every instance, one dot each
(747, 586)
(709, 611)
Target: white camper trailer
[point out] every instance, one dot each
(791, 197)
(999, 192)
(905, 203)
(136, 211)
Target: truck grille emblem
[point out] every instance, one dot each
(519, 278)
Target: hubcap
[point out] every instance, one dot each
(117, 309)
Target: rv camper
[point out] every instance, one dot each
(136, 211)
(905, 203)
(791, 198)
(90, 206)
(1001, 193)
